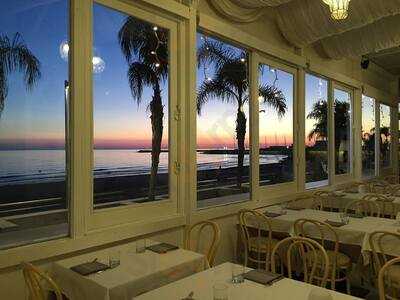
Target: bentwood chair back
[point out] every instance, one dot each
(327, 236)
(310, 255)
(363, 207)
(195, 239)
(323, 200)
(256, 234)
(389, 287)
(391, 179)
(378, 186)
(386, 205)
(382, 243)
(39, 284)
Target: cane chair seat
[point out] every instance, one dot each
(342, 260)
(261, 244)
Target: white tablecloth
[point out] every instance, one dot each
(355, 233)
(202, 286)
(137, 273)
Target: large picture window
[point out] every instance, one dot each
(33, 100)
(343, 122)
(316, 126)
(131, 109)
(385, 136)
(368, 137)
(222, 123)
(275, 125)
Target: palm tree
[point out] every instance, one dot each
(229, 84)
(342, 123)
(15, 56)
(145, 48)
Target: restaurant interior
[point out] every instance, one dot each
(199, 149)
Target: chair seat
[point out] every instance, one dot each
(342, 260)
(259, 244)
(393, 273)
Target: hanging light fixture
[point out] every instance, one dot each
(339, 8)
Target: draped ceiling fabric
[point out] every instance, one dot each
(244, 11)
(370, 27)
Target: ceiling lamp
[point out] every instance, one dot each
(339, 8)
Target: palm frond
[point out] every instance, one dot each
(15, 55)
(139, 42)
(140, 75)
(214, 89)
(215, 52)
(273, 97)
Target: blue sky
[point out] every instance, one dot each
(36, 118)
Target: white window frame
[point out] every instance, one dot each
(101, 218)
(340, 178)
(262, 193)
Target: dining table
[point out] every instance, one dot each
(200, 286)
(136, 273)
(356, 232)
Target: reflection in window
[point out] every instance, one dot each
(222, 123)
(316, 109)
(385, 138)
(275, 125)
(130, 64)
(368, 137)
(342, 119)
(33, 84)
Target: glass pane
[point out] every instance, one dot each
(275, 125)
(342, 119)
(385, 132)
(316, 108)
(33, 84)
(130, 78)
(368, 136)
(222, 123)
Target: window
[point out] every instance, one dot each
(368, 137)
(342, 121)
(385, 135)
(223, 123)
(316, 109)
(33, 99)
(275, 125)
(131, 109)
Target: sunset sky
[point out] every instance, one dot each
(35, 119)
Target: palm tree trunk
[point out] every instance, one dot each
(156, 117)
(240, 136)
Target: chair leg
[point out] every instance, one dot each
(348, 285)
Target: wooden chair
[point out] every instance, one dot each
(39, 284)
(339, 263)
(391, 179)
(395, 190)
(323, 200)
(256, 234)
(378, 186)
(381, 242)
(194, 244)
(363, 207)
(386, 205)
(389, 288)
(312, 256)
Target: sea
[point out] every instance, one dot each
(36, 166)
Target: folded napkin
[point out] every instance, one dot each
(262, 276)
(296, 208)
(273, 215)
(162, 248)
(89, 268)
(334, 223)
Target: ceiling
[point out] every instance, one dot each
(372, 28)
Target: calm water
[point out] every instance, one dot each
(31, 166)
